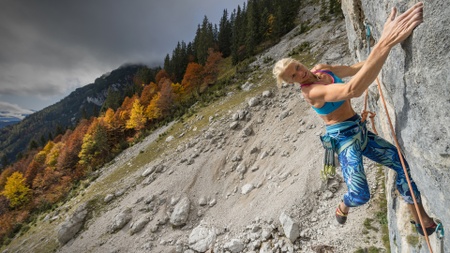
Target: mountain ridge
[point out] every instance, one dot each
(83, 102)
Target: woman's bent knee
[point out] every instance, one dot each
(355, 200)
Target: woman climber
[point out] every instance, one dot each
(346, 133)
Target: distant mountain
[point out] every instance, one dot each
(84, 102)
(9, 118)
(6, 121)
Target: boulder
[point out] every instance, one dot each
(290, 227)
(180, 213)
(234, 246)
(73, 224)
(202, 238)
(120, 220)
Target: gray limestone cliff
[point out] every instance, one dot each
(415, 82)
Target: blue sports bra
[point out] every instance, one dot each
(329, 107)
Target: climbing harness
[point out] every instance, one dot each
(439, 229)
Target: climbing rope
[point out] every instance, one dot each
(365, 113)
(394, 136)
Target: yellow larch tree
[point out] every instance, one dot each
(16, 190)
(137, 118)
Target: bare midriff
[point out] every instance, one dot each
(345, 111)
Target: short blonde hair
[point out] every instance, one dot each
(279, 68)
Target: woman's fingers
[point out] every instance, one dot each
(411, 12)
(393, 14)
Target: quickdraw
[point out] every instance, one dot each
(329, 163)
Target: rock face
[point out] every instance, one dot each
(415, 81)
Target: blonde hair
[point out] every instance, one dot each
(279, 68)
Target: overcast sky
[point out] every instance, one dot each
(50, 48)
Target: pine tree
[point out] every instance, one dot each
(113, 100)
(204, 40)
(5, 161)
(224, 36)
(238, 28)
(33, 145)
(251, 29)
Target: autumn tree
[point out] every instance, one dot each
(95, 149)
(52, 156)
(162, 74)
(180, 93)
(68, 157)
(211, 68)
(38, 164)
(137, 118)
(193, 78)
(108, 118)
(16, 190)
(147, 94)
(123, 113)
(153, 112)
(4, 176)
(166, 100)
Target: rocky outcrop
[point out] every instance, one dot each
(415, 81)
(73, 224)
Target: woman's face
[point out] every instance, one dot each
(297, 73)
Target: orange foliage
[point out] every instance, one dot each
(9, 220)
(45, 179)
(162, 74)
(124, 111)
(148, 93)
(108, 119)
(68, 157)
(33, 169)
(211, 68)
(193, 78)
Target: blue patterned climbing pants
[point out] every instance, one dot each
(353, 141)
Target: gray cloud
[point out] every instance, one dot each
(49, 48)
(12, 110)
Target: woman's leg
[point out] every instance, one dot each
(352, 167)
(383, 152)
